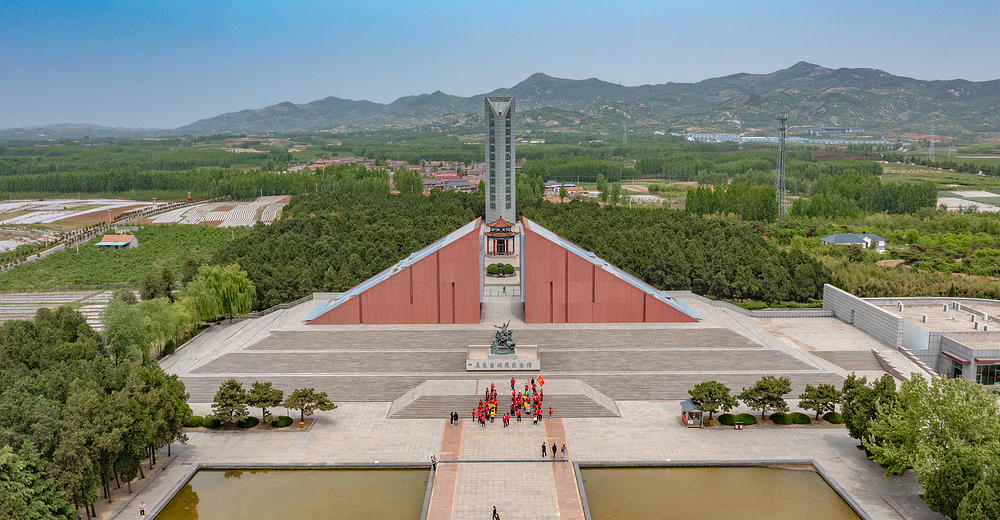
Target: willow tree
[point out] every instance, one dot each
(220, 291)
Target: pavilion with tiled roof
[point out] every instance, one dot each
(500, 238)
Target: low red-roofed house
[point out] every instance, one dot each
(118, 242)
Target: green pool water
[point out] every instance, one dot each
(747, 493)
(293, 494)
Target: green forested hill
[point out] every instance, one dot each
(810, 94)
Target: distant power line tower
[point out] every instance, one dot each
(931, 156)
(779, 180)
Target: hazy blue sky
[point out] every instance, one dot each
(157, 63)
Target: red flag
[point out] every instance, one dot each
(541, 382)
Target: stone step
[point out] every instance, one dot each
(670, 387)
(435, 339)
(565, 405)
(850, 359)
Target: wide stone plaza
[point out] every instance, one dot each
(615, 390)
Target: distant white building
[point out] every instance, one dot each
(865, 240)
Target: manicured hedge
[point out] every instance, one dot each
(746, 418)
(780, 418)
(800, 418)
(508, 269)
(249, 422)
(492, 269)
(211, 422)
(282, 421)
(833, 417)
(195, 421)
(727, 419)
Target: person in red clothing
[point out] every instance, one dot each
(518, 415)
(550, 413)
(512, 384)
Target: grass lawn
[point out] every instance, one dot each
(159, 246)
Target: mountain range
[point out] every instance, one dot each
(809, 94)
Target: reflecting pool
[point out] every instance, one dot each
(284, 494)
(712, 492)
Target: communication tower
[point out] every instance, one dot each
(931, 157)
(779, 180)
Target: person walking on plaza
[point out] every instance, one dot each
(550, 413)
(564, 452)
(142, 509)
(434, 463)
(553, 450)
(512, 384)
(518, 415)
(544, 446)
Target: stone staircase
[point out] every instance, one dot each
(568, 399)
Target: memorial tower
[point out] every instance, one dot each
(501, 195)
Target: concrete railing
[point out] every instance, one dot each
(269, 310)
(405, 400)
(600, 398)
(760, 313)
(923, 366)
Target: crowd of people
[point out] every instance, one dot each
(521, 403)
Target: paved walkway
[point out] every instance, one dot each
(497, 463)
(642, 366)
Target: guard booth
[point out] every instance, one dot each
(691, 416)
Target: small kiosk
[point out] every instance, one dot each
(691, 416)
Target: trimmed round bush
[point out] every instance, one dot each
(727, 419)
(746, 419)
(780, 418)
(492, 269)
(211, 422)
(800, 418)
(833, 417)
(282, 421)
(195, 421)
(508, 269)
(249, 422)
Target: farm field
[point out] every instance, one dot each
(159, 247)
(225, 214)
(23, 306)
(983, 201)
(66, 211)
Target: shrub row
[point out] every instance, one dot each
(495, 269)
(197, 421)
(729, 419)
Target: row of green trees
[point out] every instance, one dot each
(133, 329)
(232, 401)
(675, 250)
(336, 238)
(853, 193)
(32, 160)
(73, 420)
(768, 393)
(749, 201)
(946, 430)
